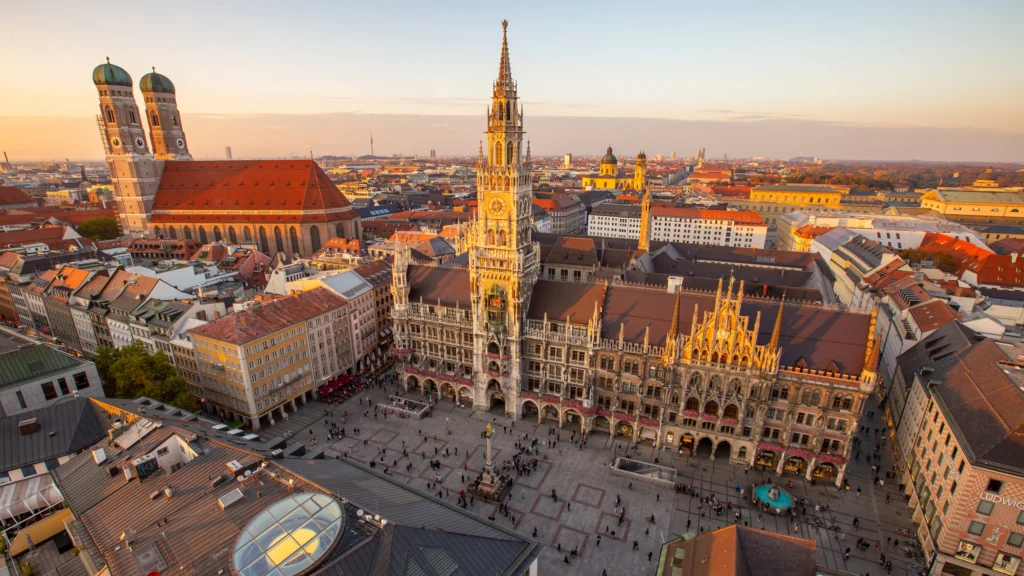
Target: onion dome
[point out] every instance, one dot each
(609, 158)
(154, 82)
(110, 75)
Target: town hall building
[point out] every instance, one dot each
(721, 373)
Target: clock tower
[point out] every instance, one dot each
(134, 172)
(503, 260)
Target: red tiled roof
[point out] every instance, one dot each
(12, 195)
(932, 315)
(811, 231)
(988, 267)
(258, 321)
(229, 188)
(739, 216)
(52, 236)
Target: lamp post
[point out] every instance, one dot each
(446, 427)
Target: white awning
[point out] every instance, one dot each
(28, 495)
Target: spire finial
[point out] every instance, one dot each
(108, 59)
(505, 84)
(154, 68)
(504, 26)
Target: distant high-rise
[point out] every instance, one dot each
(673, 156)
(568, 161)
(227, 152)
(371, 143)
(433, 154)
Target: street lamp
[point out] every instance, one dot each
(447, 429)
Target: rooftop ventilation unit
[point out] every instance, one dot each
(28, 426)
(233, 497)
(99, 455)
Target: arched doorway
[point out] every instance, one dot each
(602, 425)
(723, 451)
(430, 387)
(704, 447)
(530, 409)
(624, 430)
(466, 397)
(412, 383)
(448, 391)
(794, 465)
(825, 471)
(497, 397)
(573, 421)
(686, 443)
(551, 413)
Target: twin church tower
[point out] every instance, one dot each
(136, 163)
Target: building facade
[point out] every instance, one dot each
(744, 379)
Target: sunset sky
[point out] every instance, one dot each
(944, 79)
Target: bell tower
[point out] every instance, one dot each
(503, 260)
(165, 131)
(133, 170)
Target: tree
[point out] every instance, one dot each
(104, 228)
(946, 262)
(131, 372)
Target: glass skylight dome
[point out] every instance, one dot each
(289, 538)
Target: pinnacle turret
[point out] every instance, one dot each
(505, 86)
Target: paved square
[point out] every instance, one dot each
(582, 479)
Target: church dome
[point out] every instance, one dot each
(154, 82)
(609, 158)
(110, 75)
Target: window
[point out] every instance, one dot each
(976, 528)
(21, 399)
(49, 391)
(985, 507)
(1020, 518)
(27, 471)
(994, 486)
(1015, 540)
(52, 464)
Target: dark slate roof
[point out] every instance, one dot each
(944, 342)
(34, 361)
(817, 335)
(74, 425)
(449, 285)
(983, 405)
(430, 537)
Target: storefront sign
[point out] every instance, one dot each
(1019, 504)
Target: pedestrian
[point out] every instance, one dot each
(649, 556)
(598, 538)
(636, 544)
(568, 506)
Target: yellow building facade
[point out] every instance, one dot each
(956, 202)
(609, 176)
(798, 194)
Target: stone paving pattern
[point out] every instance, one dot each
(587, 519)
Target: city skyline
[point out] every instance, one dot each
(776, 81)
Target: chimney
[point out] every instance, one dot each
(28, 426)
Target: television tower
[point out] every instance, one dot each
(371, 143)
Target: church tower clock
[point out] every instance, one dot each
(503, 260)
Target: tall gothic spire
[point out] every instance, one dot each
(777, 329)
(505, 85)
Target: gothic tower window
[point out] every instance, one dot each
(172, 233)
(497, 152)
(501, 112)
(339, 231)
(314, 238)
(264, 245)
(110, 115)
(509, 158)
(174, 119)
(202, 235)
(247, 235)
(231, 235)
(502, 238)
(490, 236)
(508, 111)
(216, 234)
(188, 233)
(295, 239)
(278, 239)
(131, 115)
(156, 119)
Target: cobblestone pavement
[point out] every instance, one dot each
(584, 516)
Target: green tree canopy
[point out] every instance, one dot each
(105, 228)
(131, 372)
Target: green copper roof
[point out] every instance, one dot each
(154, 82)
(32, 362)
(110, 75)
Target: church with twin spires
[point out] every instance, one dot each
(720, 373)
(288, 206)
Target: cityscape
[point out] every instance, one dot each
(222, 353)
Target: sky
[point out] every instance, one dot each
(901, 79)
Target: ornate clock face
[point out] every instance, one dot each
(140, 142)
(497, 207)
(115, 141)
(180, 143)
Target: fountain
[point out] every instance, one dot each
(777, 499)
